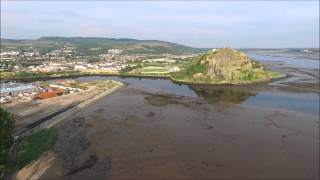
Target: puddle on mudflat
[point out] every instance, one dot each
(224, 94)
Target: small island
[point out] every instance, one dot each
(224, 66)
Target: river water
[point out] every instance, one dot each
(264, 97)
(287, 61)
(154, 128)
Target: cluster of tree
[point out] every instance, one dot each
(129, 68)
(26, 74)
(27, 149)
(6, 140)
(30, 74)
(191, 68)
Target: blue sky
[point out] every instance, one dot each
(198, 24)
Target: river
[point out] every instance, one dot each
(265, 97)
(154, 128)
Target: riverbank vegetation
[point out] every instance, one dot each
(16, 155)
(222, 66)
(6, 140)
(192, 68)
(99, 84)
(37, 75)
(32, 146)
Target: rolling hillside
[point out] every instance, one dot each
(84, 44)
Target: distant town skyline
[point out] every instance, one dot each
(205, 24)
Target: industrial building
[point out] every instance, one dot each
(13, 89)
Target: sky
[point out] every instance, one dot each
(239, 24)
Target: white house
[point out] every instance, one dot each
(79, 67)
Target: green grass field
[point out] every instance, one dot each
(34, 145)
(155, 70)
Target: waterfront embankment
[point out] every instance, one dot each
(36, 130)
(46, 113)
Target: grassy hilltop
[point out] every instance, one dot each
(224, 66)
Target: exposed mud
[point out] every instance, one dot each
(86, 165)
(163, 100)
(300, 80)
(124, 136)
(141, 132)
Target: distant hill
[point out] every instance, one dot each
(84, 44)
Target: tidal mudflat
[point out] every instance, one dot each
(135, 134)
(157, 129)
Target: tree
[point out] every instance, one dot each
(6, 139)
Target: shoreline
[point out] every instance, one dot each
(228, 83)
(168, 77)
(113, 133)
(56, 117)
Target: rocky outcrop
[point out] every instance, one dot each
(226, 64)
(230, 65)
